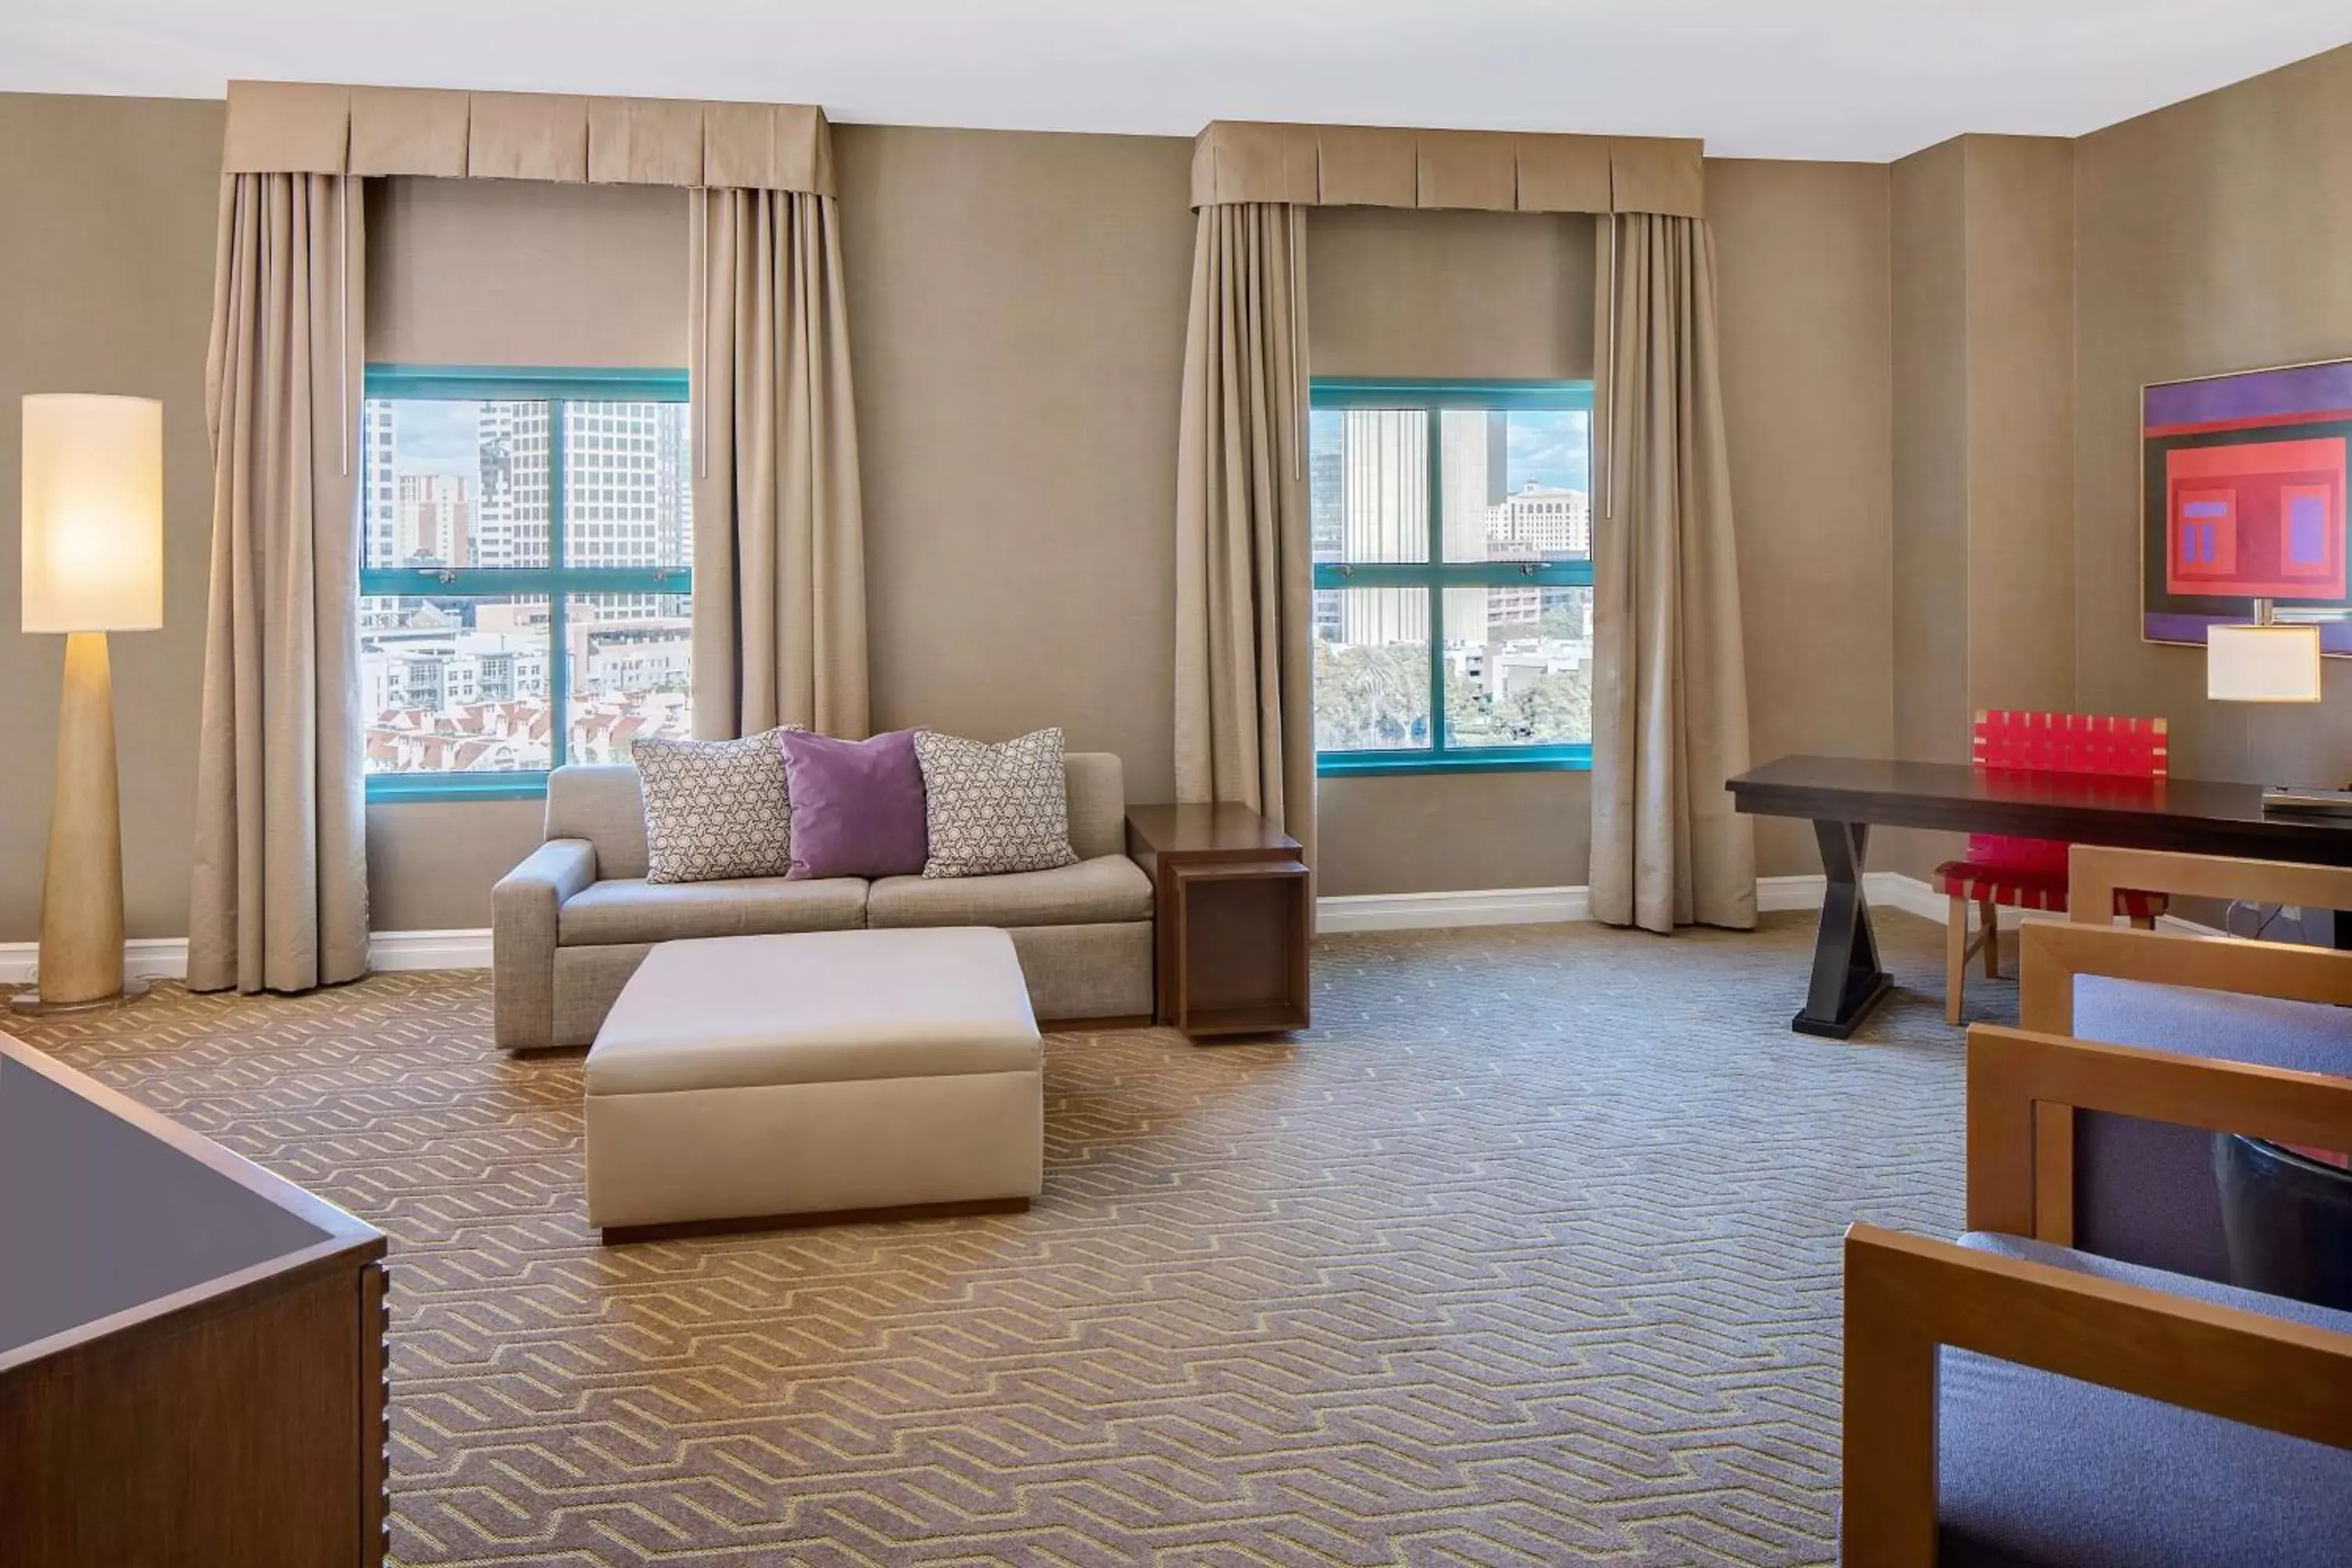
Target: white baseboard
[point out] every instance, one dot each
(1527, 906)
(1432, 911)
(429, 949)
(1541, 906)
(166, 957)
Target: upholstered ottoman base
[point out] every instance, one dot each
(763, 1077)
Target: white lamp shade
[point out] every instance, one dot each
(2263, 664)
(93, 522)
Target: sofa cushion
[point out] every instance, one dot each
(1108, 888)
(714, 809)
(992, 809)
(630, 909)
(824, 1008)
(2035, 1468)
(857, 805)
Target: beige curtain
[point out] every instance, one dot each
(1670, 685)
(1244, 599)
(279, 899)
(778, 533)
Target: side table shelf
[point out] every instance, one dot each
(1232, 919)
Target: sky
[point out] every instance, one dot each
(1551, 448)
(438, 437)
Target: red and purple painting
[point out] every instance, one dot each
(2242, 497)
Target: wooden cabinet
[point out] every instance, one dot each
(1233, 917)
(192, 1351)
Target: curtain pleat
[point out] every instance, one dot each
(278, 898)
(1670, 688)
(779, 531)
(1245, 597)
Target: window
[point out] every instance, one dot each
(1453, 542)
(526, 574)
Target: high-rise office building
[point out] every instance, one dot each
(430, 520)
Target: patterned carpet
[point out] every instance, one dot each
(1527, 1253)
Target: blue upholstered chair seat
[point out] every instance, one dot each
(2144, 1191)
(2041, 1470)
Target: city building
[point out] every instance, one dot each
(1546, 521)
(430, 522)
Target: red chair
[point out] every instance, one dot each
(2031, 873)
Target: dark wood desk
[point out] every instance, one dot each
(1844, 797)
(192, 1351)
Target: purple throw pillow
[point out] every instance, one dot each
(857, 805)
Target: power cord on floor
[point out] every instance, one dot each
(2262, 922)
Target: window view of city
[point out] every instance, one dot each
(1510, 487)
(459, 676)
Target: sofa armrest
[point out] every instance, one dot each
(1906, 1295)
(523, 910)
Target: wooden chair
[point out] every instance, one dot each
(1965, 1442)
(2031, 873)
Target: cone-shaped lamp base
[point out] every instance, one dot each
(81, 891)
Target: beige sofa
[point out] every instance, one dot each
(571, 924)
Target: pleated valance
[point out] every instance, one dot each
(1493, 171)
(307, 127)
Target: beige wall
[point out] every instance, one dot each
(1500, 296)
(1984, 343)
(107, 213)
(2211, 236)
(1802, 271)
(1930, 455)
(1803, 281)
(517, 272)
(2021, 410)
(520, 273)
(1016, 307)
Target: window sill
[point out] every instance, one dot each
(1375, 765)
(406, 789)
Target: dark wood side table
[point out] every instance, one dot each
(1231, 917)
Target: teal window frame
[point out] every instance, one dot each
(555, 387)
(1437, 573)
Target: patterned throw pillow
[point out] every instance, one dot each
(714, 809)
(993, 809)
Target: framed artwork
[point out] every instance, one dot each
(2243, 498)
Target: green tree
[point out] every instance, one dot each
(1554, 708)
(1470, 719)
(1369, 696)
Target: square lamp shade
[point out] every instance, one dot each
(93, 520)
(2263, 664)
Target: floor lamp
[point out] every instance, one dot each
(93, 563)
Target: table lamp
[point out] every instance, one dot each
(93, 563)
(2275, 660)
(2268, 661)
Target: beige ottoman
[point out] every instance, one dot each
(755, 1078)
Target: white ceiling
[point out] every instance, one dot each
(1785, 79)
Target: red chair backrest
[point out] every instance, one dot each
(2031, 741)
